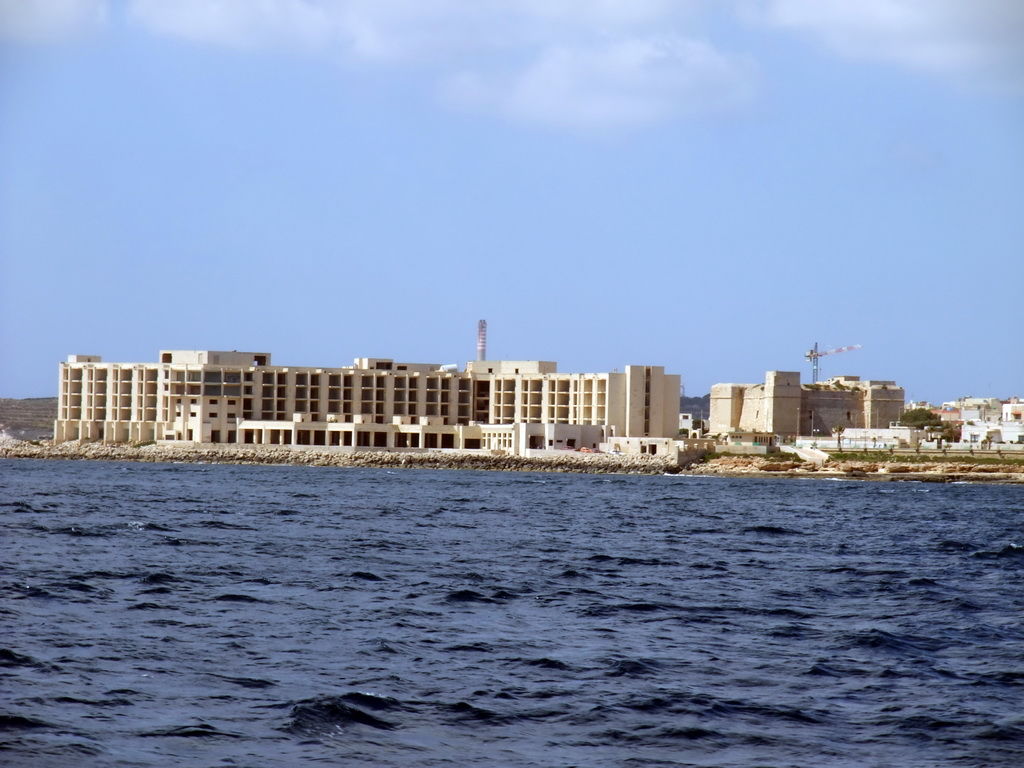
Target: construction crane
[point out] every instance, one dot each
(814, 354)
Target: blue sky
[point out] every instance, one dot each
(712, 186)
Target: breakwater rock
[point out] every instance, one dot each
(560, 461)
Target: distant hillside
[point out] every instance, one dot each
(29, 419)
(698, 406)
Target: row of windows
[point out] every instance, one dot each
(294, 378)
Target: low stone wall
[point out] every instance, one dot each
(598, 463)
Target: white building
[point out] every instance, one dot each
(980, 408)
(1006, 427)
(216, 397)
(988, 419)
(1013, 411)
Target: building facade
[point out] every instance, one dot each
(784, 407)
(992, 421)
(216, 397)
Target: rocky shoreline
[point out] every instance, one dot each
(602, 463)
(889, 471)
(721, 466)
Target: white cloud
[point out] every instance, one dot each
(404, 30)
(43, 21)
(238, 23)
(576, 63)
(579, 64)
(621, 84)
(976, 43)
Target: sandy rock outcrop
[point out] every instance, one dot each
(737, 466)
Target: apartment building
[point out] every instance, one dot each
(218, 397)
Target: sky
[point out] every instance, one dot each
(712, 186)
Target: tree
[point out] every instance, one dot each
(951, 433)
(920, 417)
(838, 432)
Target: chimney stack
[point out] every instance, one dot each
(481, 340)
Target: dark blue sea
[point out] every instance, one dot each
(201, 615)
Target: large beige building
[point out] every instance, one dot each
(241, 398)
(784, 407)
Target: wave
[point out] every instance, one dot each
(645, 561)
(78, 530)
(325, 714)
(896, 642)
(20, 506)
(706, 705)
(196, 730)
(837, 670)
(118, 702)
(224, 526)
(247, 682)
(638, 607)
(471, 647)
(147, 606)
(158, 577)
(9, 658)
(572, 573)
(22, 723)
(1010, 551)
(465, 711)
(232, 597)
(952, 545)
(546, 663)
(467, 596)
(773, 530)
(1002, 733)
(631, 667)
(648, 736)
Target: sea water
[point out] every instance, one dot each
(208, 615)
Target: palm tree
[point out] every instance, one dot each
(838, 432)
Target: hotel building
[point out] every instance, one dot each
(210, 397)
